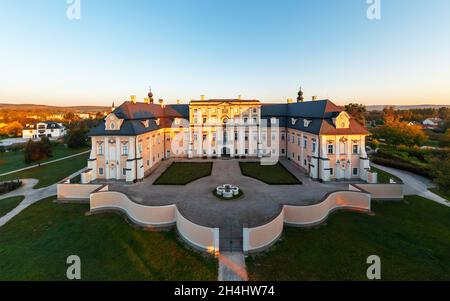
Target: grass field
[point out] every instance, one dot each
(36, 244)
(6, 205)
(412, 240)
(269, 174)
(384, 177)
(15, 160)
(182, 173)
(52, 173)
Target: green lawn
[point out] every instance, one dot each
(440, 193)
(14, 160)
(182, 173)
(6, 205)
(269, 174)
(412, 240)
(36, 244)
(52, 173)
(384, 177)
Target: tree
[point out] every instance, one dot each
(444, 113)
(400, 133)
(389, 115)
(76, 138)
(357, 111)
(37, 151)
(440, 172)
(13, 129)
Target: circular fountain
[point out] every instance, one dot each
(228, 191)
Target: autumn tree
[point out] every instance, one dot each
(37, 151)
(400, 133)
(357, 111)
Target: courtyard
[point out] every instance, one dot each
(260, 204)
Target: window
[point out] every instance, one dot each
(355, 171)
(195, 137)
(246, 151)
(112, 125)
(314, 146)
(148, 162)
(204, 137)
(195, 110)
(283, 151)
(282, 137)
(298, 158)
(246, 136)
(299, 141)
(124, 171)
(305, 143)
(204, 120)
(124, 150)
(236, 136)
(304, 162)
(330, 149)
(140, 147)
(355, 149)
(331, 171)
(254, 120)
(100, 171)
(100, 149)
(254, 111)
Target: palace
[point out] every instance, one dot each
(318, 136)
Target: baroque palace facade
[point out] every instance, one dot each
(317, 135)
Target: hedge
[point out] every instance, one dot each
(403, 166)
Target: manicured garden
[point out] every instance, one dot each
(15, 159)
(270, 174)
(51, 173)
(412, 240)
(182, 173)
(6, 205)
(35, 246)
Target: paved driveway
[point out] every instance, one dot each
(260, 204)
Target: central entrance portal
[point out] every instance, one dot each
(226, 153)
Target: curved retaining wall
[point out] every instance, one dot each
(318, 213)
(75, 192)
(142, 215)
(198, 236)
(260, 238)
(202, 238)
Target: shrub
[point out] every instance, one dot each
(6, 187)
(423, 171)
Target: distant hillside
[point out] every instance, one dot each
(30, 107)
(381, 107)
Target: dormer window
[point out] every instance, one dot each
(342, 121)
(294, 121)
(146, 123)
(158, 121)
(307, 122)
(112, 126)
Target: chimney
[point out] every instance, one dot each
(133, 98)
(239, 96)
(290, 100)
(202, 97)
(178, 101)
(314, 98)
(161, 102)
(146, 100)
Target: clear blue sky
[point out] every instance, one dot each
(221, 48)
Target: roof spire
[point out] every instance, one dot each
(150, 95)
(113, 107)
(300, 97)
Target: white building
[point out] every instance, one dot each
(431, 123)
(48, 129)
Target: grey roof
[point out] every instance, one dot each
(319, 115)
(49, 125)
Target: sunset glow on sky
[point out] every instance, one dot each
(224, 48)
